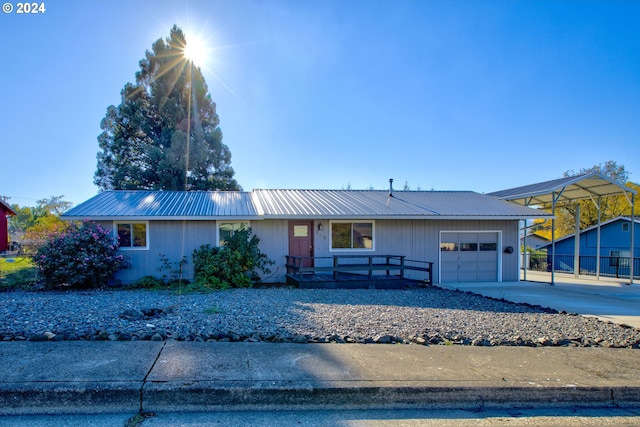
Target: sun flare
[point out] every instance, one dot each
(195, 51)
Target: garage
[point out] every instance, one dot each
(469, 256)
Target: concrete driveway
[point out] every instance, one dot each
(606, 299)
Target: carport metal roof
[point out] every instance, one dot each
(550, 194)
(565, 190)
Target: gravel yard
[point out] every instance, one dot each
(422, 316)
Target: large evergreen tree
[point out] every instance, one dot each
(165, 133)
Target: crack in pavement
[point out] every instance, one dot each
(144, 380)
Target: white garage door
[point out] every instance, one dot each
(469, 257)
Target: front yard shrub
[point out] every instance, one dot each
(252, 260)
(219, 268)
(172, 271)
(148, 282)
(84, 256)
(236, 264)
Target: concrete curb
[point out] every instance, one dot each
(69, 398)
(95, 398)
(103, 377)
(204, 397)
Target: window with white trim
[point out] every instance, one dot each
(227, 229)
(352, 235)
(132, 235)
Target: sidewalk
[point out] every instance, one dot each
(76, 377)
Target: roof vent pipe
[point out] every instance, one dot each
(390, 187)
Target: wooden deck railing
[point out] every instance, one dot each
(354, 263)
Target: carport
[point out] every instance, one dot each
(592, 186)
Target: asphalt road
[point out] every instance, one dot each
(378, 418)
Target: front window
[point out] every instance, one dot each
(352, 235)
(132, 235)
(227, 229)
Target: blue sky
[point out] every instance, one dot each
(445, 95)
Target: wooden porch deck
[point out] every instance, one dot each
(359, 272)
(350, 281)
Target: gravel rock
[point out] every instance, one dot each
(428, 316)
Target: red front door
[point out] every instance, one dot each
(301, 240)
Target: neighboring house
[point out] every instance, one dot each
(468, 236)
(5, 212)
(534, 241)
(615, 240)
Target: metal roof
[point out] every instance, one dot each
(261, 204)
(142, 204)
(379, 204)
(568, 189)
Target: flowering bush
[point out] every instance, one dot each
(84, 256)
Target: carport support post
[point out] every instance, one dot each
(576, 244)
(633, 227)
(525, 261)
(598, 240)
(553, 237)
(554, 198)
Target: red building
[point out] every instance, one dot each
(5, 212)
